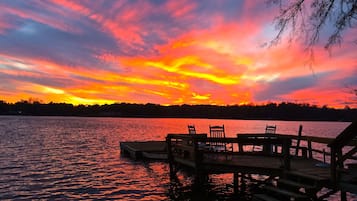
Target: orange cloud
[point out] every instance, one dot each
(170, 53)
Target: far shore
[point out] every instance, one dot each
(272, 111)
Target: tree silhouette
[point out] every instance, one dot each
(281, 111)
(306, 19)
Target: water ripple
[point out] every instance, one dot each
(70, 158)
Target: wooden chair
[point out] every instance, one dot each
(270, 129)
(191, 129)
(219, 132)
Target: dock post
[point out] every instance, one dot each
(333, 166)
(198, 174)
(286, 153)
(235, 182)
(298, 141)
(201, 177)
(242, 183)
(343, 196)
(309, 147)
(169, 156)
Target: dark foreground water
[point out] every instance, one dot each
(72, 158)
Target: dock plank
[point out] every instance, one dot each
(145, 146)
(146, 150)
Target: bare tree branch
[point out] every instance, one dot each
(308, 18)
(311, 18)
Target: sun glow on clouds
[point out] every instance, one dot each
(170, 52)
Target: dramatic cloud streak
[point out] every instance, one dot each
(165, 52)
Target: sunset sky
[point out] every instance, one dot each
(164, 52)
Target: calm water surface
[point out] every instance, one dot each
(71, 158)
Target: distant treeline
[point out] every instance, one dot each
(281, 111)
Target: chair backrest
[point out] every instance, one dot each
(191, 129)
(217, 131)
(270, 129)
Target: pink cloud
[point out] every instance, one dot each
(44, 19)
(179, 9)
(5, 23)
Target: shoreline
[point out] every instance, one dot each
(173, 117)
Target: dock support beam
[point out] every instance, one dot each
(235, 183)
(170, 157)
(298, 141)
(343, 196)
(242, 183)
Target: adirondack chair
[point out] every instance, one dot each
(219, 132)
(191, 129)
(270, 129)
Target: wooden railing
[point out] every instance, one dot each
(272, 145)
(190, 149)
(338, 158)
(306, 149)
(184, 148)
(308, 146)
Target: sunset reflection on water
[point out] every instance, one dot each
(70, 158)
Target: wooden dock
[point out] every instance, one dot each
(293, 173)
(153, 150)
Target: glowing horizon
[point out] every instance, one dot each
(164, 52)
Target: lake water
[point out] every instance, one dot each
(71, 158)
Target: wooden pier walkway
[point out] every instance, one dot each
(156, 150)
(288, 162)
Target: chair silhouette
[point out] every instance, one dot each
(218, 132)
(191, 129)
(269, 129)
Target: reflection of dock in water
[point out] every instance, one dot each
(288, 163)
